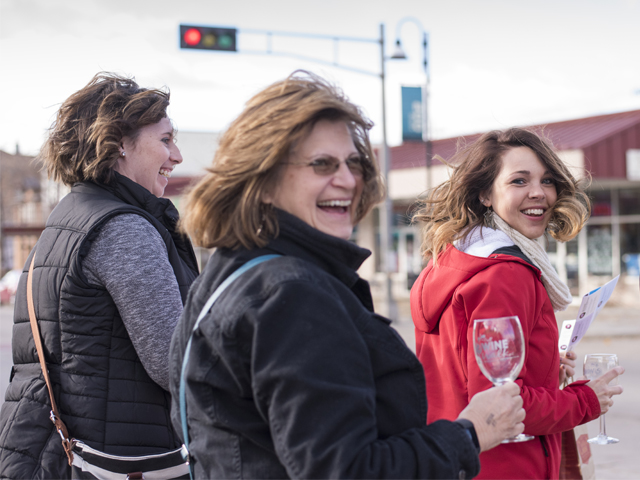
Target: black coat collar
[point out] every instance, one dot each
(340, 258)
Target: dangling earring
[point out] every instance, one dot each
(488, 218)
(263, 218)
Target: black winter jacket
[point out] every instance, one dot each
(104, 395)
(292, 374)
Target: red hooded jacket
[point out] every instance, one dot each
(444, 302)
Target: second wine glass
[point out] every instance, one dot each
(499, 347)
(596, 364)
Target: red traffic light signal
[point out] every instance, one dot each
(192, 37)
(208, 38)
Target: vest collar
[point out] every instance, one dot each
(162, 209)
(135, 194)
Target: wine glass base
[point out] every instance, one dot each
(518, 438)
(603, 440)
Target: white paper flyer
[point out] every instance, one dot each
(572, 331)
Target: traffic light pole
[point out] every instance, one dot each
(385, 209)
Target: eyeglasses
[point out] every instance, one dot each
(329, 166)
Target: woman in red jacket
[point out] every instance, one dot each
(507, 190)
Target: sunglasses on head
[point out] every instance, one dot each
(330, 165)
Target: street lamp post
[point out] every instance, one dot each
(399, 54)
(386, 209)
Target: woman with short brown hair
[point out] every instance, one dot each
(110, 276)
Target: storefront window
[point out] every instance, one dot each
(407, 248)
(572, 265)
(402, 215)
(630, 248)
(629, 202)
(393, 254)
(600, 203)
(599, 249)
(411, 251)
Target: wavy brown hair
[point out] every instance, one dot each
(225, 208)
(84, 140)
(452, 209)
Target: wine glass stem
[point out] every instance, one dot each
(603, 426)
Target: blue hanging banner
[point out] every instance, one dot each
(411, 113)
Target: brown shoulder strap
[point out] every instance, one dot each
(55, 416)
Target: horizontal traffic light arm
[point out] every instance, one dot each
(202, 37)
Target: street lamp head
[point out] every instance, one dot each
(399, 54)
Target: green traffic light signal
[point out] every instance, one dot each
(208, 38)
(226, 41)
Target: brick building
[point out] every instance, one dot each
(26, 199)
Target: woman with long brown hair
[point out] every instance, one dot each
(480, 233)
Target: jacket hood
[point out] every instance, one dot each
(435, 287)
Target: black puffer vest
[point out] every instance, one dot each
(104, 395)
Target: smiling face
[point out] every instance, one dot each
(326, 202)
(523, 193)
(151, 157)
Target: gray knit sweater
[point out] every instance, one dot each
(129, 259)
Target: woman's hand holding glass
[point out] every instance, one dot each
(499, 347)
(496, 414)
(603, 371)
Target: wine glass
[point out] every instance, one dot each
(499, 347)
(596, 364)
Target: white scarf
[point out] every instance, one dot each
(558, 292)
(482, 242)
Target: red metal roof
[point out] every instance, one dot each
(591, 134)
(581, 133)
(585, 132)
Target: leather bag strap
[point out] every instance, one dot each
(54, 415)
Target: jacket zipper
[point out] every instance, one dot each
(544, 447)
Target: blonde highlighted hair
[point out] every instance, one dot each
(453, 209)
(225, 208)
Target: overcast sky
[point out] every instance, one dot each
(493, 63)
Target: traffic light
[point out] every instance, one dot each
(208, 38)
